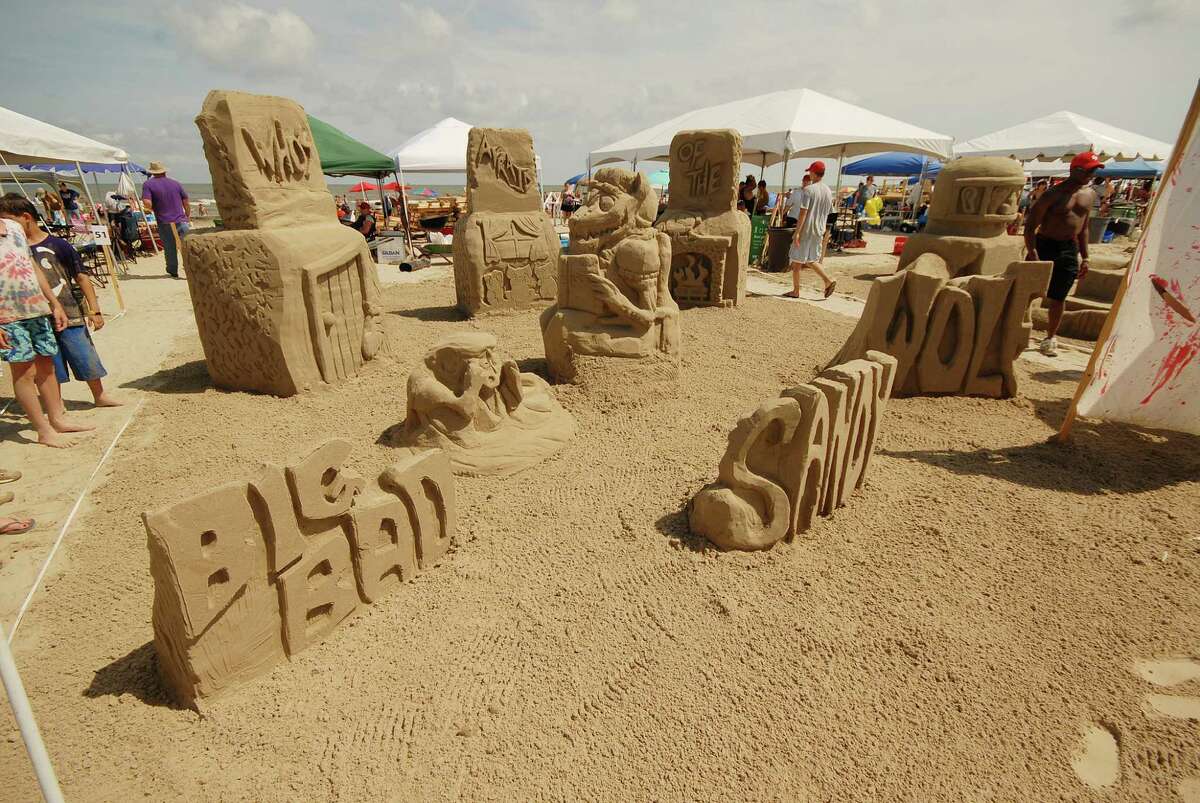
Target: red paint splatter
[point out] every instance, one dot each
(1178, 358)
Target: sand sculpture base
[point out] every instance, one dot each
(949, 336)
(275, 320)
(581, 345)
(470, 399)
(251, 573)
(965, 256)
(1091, 299)
(505, 261)
(796, 456)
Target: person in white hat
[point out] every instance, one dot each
(167, 198)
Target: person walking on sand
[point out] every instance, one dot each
(63, 270)
(168, 200)
(808, 243)
(1056, 230)
(29, 316)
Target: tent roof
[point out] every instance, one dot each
(892, 164)
(1061, 135)
(10, 178)
(1137, 168)
(342, 155)
(24, 139)
(798, 122)
(442, 148)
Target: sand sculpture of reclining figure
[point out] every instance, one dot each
(250, 573)
(614, 298)
(795, 456)
(285, 297)
(710, 239)
(472, 400)
(506, 249)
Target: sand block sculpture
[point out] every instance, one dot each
(253, 572)
(974, 201)
(956, 336)
(1090, 301)
(795, 456)
(710, 239)
(614, 298)
(472, 400)
(285, 297)
(505, 250)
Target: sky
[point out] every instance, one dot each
(582, 74)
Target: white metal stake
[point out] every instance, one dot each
(23, 714)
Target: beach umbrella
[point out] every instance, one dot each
(576, 179)
(362, 187)
(428, 193)
(393, 186)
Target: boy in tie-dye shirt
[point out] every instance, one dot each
(29, 316)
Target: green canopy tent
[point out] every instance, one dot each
(342, 155)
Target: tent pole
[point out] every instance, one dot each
(108, 260)
(782, 188)
(20, 186)
(404, 219)
(837, 201)
(23, 714)
(138, 201)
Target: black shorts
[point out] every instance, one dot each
(1065, 256)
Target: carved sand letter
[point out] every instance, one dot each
(793, 455)
(942, 366)
(284, 296)
(710, 239)
(248, 574)
(505, 250)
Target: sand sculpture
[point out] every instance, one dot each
(710, 239)
(950, 335)
(974, 201)
(472, 400)
(285, 297)
(252, 572)
(614, 298)
(505, 250)
(796, 456)
(1091, 299)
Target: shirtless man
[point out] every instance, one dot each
(1056, 230)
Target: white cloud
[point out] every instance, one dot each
(620, 10)
(245, 37)
(425, 21)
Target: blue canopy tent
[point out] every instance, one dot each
(893, 164)
(1138, 168)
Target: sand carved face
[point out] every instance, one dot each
(618, 203)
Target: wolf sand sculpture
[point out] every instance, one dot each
(472, 400)
(795, 456)
(710, 239)
(250, 573)
(614, 297)
(505, 249)
(285, 297)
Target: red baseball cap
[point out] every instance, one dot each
(817, 167)
(1086, 161)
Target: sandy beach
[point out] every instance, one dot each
(948, 635)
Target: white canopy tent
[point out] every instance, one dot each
(1062, 135)
(441, 148)
(780, 125)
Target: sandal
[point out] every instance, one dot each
(790, 294)
(9, 476)
(16, 526)
(5, 497)
(829, 290)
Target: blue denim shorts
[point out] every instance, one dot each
(75, 349)
(32, 337)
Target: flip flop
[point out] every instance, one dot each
(790, 294)
(16, 526)
(5, 497)
(829, 290)
(9, 476)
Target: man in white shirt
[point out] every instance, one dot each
(812, 205)
(793, 202)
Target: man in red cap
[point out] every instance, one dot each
(812, 210)
(1056, 230)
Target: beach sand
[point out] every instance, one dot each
(950, 634)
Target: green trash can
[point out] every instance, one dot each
(758, 237)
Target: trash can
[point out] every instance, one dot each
(1096, 228)
(779, 240)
